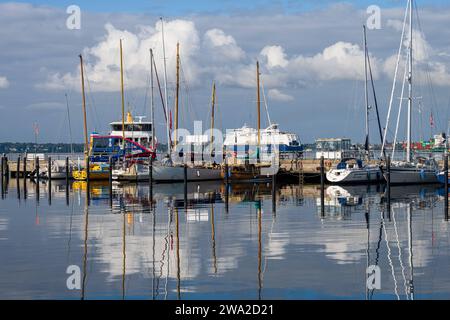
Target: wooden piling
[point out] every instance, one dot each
(322, 186)
(388, 182)
(36, 160)
(18, 170)
(7, 168)
(67, 171)
(185, 185)
(49, 176)
(49, 169)
(446, 185)
(88, 180)
(24, 174)
(274, 194)
(88, 170)
(110, 168)
(227, 197)
(2, 176)
(2, 168)
(227, 176)
(150, 179)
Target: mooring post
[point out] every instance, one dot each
(227, 186)
(110, 168)
(388, 181)
(18, 169)
(274, 194)
(2, 175)
(88, 180)
(67, 171)
(150, 179)
(3, 167)
(185, 185)
(49, 176)
(227, 176)
(7, 168)
(25, 159)
(24, 175)
(36, 159)
(322, 186)
(49, 169)
(17, 177)
(446, 185)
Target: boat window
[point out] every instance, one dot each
(138, 127)
(101, 142)
(117, 127)
(341, 166)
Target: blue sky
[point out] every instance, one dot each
(181, 7)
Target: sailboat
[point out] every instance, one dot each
(237, 147)
(351, 170)
(58, 167)
(420, 169)
(97, 171)
(166, 170)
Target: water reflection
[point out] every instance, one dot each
(217, 241)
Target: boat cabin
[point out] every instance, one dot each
(349, 163)
(137, 130)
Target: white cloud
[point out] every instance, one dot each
(102, 61)
(427, 60)
(340, 61)
(218, 56)
(4, 83)
(275, 56)
(277, 95)
(222, 45)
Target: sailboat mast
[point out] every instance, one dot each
(177, 93)
(410, 75)
(165, 88)
(213, 102)
(122, 93)
(86, 144)
(152, 101)
(366, 93)
(258, 104)
(70, 125)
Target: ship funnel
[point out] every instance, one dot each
(129, 117)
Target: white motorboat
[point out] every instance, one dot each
(166, 173)
(353, 171)
(58, 170)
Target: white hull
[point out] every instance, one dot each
(167, 173)
(58, 170)
(57, 175)
(357, 175)
(401, 175)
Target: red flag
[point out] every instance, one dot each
(170, 119)
(431, 120)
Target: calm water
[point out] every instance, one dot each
(134, 248)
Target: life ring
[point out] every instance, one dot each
(328, 163)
